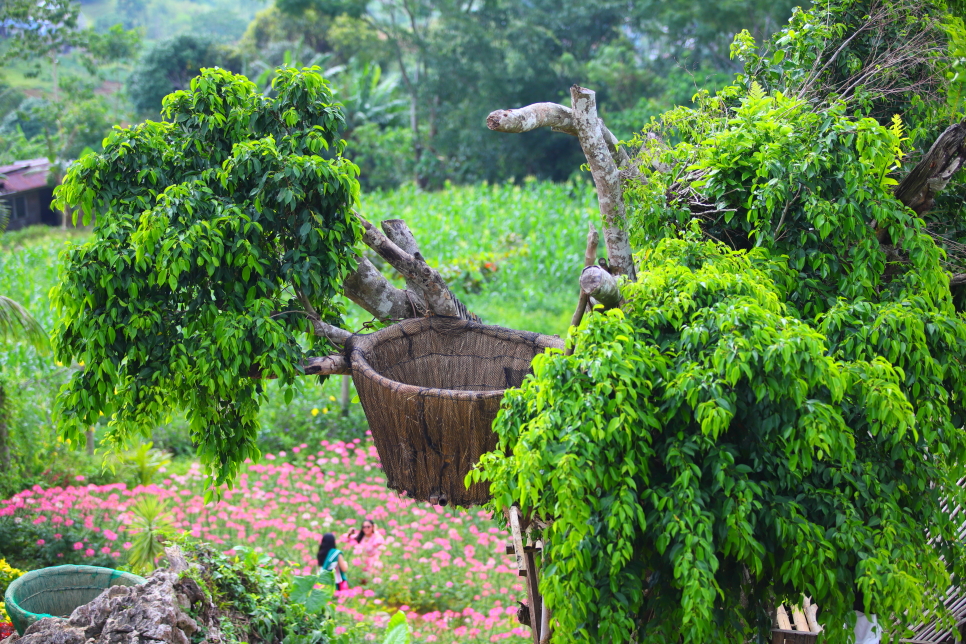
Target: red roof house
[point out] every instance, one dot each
(24, 190)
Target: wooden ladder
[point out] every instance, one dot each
(537, 613)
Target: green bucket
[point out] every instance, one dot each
(57, 591)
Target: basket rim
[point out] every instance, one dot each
(360, 343)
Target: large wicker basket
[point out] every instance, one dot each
(57, 591)
(431, 388)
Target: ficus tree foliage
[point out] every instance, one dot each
(218, 230)
(777, 408)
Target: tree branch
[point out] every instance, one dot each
(398, 232)
(333, 334)
(326, 366)
(557, 117)
(414, 268)
(368, 288)
(610, 194)
(601, 286)
(590, 256)
(919, 188)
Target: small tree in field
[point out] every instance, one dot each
(776, 408)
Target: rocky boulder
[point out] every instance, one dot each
(171, 607)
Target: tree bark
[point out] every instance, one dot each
(368, 288)
(610, 194)
(601, 286)
(557, 117)
(414, 268)
(919, 188)
(398, 232)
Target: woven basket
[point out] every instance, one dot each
(779, 636)
(431, 388)
(57, 591)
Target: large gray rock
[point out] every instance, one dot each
(154, 612)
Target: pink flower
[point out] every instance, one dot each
(89, 552)
(78, 545)
(40, 542)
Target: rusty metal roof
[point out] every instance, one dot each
(21, 176)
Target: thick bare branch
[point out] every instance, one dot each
(590, 253)
(957, 279)
(919, 188)
(368, 288)
(601, 286)
(414, 268)
(590, 256)
(610, 194)
(398, 232)
(326, 366)
(558, 118)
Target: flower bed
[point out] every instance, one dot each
(445, 566)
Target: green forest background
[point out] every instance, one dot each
(417, 77)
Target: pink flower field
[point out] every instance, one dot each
(445, 567)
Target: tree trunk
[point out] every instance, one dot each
(89, 435)
(610, 194)
(919, 188)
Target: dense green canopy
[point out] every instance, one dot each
(218, 229)
(778, 407)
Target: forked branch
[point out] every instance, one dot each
(603, 152)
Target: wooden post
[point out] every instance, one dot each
(527, 566)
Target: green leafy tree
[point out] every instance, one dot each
(170, 65)
(778, 406)
(228, 222)
(41, 31)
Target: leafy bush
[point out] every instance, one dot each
(249, 220)
(778, 408)
(151, 525)
(7, 575)
(259, 603)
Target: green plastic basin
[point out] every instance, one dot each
(57, 591)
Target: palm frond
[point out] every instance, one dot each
(17, 324)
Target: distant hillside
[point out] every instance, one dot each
(223, 20)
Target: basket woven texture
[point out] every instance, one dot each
(430, 388)
(57, 591)
(779, 636)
